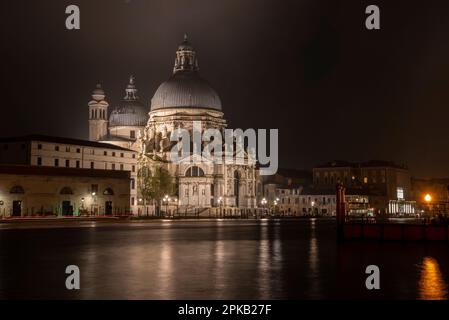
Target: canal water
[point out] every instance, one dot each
(244, 259)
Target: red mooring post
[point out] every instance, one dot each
(341, 211)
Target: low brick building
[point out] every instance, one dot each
(33, 191)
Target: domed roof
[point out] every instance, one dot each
(185, 88)
(98, 93)
(131, 111)
(98, 90)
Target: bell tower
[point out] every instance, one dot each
(98, 115)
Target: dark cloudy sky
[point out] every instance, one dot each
(308, 67)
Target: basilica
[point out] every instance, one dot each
(184, 99)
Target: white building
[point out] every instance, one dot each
(184, 98)
(308, 201)
(47, 151)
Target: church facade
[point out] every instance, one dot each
(178, 103)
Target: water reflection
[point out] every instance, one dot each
(165, 271)
(214, 260)
(219, 261)
(264, 264)
(431, 284)
(314, 261)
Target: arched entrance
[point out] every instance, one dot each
(237, 188)
(17, 204)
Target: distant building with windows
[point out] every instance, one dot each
(28, 191)
(387, 184)
(285, 180)
(313, 202)
(57, 152)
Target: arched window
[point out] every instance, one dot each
(194, 172)
(108, 192)
(66, 190)
(17, 189)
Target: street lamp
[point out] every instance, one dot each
(166, 200)
(176, 200)
(428, 200)
(313, 205)
(220, 201)
(263, 202)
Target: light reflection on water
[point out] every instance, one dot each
(215, 260)
(432, 285)
(314, 261)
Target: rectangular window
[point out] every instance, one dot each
(133, 184)
(77, 163)
(132, 201)
(67, 163)
(56, 162)
(78, 150)
(134, 156)
(203, 192)
(132, 134)
(67, 149)
(113, 166)
(56, 148)
(122, 154)
(400, 193)
(39, 161)
(121, 166)
(113, 154)
(92, 165)
(133, 168)
(39, 146)
(105, 153)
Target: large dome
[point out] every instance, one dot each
(131, 111)
(187, 90)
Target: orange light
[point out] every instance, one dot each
(428, 198)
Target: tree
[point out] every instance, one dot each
(154, 183)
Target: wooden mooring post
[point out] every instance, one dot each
(341, 211)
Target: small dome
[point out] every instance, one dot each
(129, 113)
(98, 93)
(185, 89)
(98, 90)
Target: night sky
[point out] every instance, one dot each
(308, 67)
